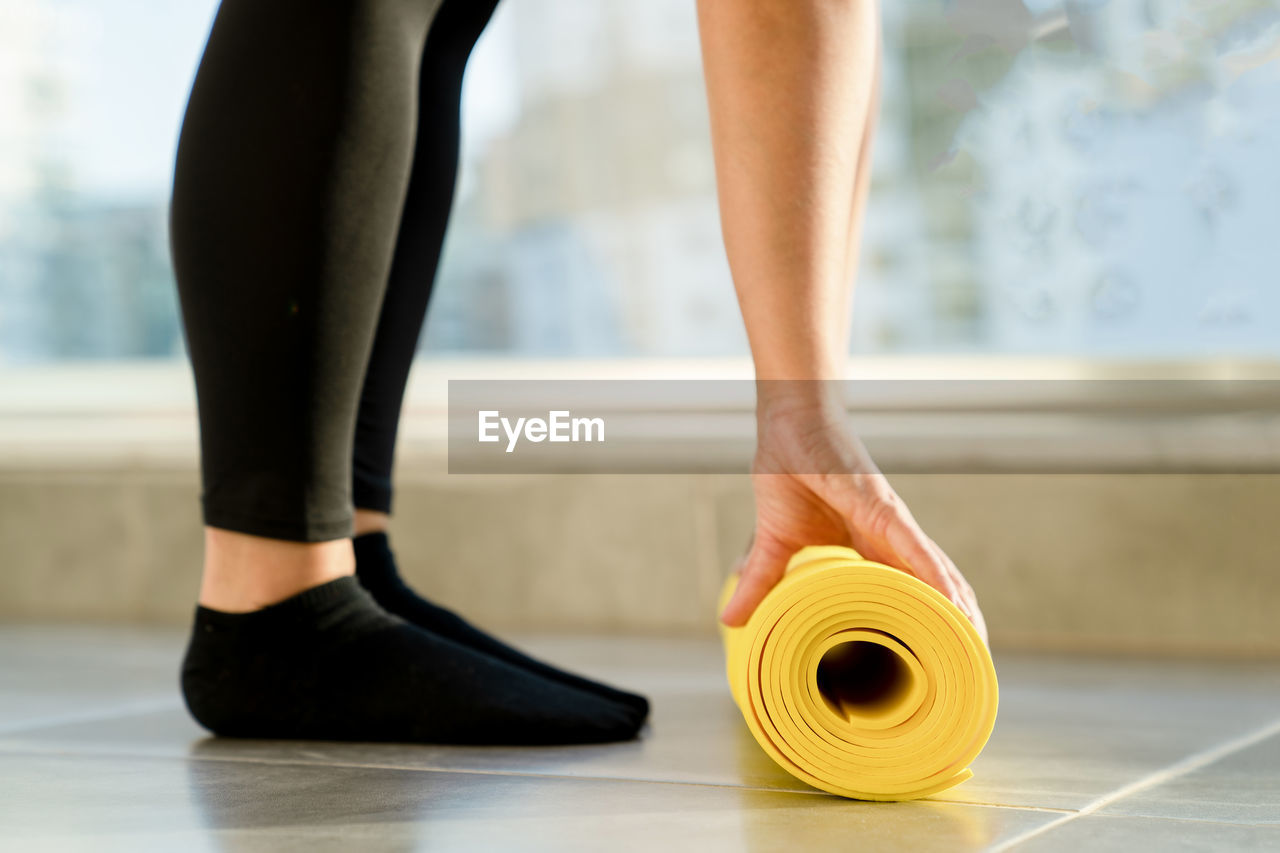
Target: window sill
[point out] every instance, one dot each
(142, 414)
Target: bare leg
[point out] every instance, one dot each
(371, 521)
(243, 573)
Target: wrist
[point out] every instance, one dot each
(810, 399)
(805, 376)
(806, 392)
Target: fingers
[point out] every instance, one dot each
(962, 585)
(981, 624)
(763, 568)
(881, 516)
(970, 606)
(922, 557)
(907, 540)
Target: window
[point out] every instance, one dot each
(1089, 178)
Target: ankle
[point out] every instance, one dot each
(371, 521)
(243, 573)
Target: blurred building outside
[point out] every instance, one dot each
(1092, 179)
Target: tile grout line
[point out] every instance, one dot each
(33, 749)
(974, 803)
(124, 710)
(521, 774)
(1191, 763)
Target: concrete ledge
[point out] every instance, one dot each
(1172, 563)
(99, 518)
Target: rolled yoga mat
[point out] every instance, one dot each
(860, 679)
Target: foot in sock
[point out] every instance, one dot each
(330, 664)
(376, 569)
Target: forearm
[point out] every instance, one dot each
(791, 88)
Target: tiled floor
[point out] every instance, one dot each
(97, 753)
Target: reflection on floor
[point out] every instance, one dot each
(97, 753)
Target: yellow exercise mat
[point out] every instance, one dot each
(860, 679)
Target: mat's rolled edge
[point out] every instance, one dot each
(737, 650)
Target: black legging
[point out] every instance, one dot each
(314, 178)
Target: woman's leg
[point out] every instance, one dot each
(292, 168)
(291, 174)
(417, 255)
(457, 26)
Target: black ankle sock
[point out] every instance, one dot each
(376, 569)
(330, 664)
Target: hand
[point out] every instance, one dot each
(815, 484)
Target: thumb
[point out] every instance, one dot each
(764, 566)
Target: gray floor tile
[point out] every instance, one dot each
(1098, 834)
(79, 802)
(695, 735)
(97, 753)
(697, 740)
(1070, 729)
(60, 673)
(1073, 729)
(1243, 787)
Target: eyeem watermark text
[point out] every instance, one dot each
(559, 426)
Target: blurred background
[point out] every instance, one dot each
(1086, 178)
(1061, 188)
